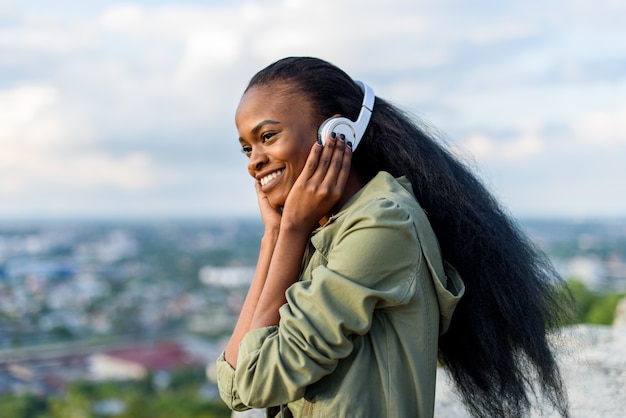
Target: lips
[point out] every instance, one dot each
(266, 179)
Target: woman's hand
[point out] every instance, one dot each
(320, 186)
(271, 216)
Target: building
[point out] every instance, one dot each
(137, 362)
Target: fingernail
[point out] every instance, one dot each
(349, 143)
(342, 137)
(319, 140)
(333, 135)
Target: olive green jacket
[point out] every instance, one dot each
(358, 336)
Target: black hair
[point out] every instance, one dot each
(497, 348)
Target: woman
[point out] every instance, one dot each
(365, 258)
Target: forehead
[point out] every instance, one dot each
(272, 101)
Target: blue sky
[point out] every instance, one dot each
(125, 109)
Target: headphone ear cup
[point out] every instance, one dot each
(338, 126)
(323, 131)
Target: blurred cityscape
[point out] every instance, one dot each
(104, 300)
(118, 300)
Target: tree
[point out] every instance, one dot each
(583, 298)
(602, 310)
(22, 406)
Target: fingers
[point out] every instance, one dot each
(321, 183)
(329, 162)
(338, 163)
(269, 214)
(341, 165)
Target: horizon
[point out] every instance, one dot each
(11, 221)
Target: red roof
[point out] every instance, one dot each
(162, 356)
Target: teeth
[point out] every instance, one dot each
(270, 177)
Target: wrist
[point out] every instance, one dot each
(270, 236)
(293, 236)
(291, 226)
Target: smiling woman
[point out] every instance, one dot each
(277, 131)
(376, 264)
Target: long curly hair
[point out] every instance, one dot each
(497, 349)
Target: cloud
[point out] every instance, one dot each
(43, 146)
(605, 129)
(25, 172)
(592, 133)
(487, 149)
(133, 102)
(32, 118)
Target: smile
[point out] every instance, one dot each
(271, 176)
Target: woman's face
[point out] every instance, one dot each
(276, 131)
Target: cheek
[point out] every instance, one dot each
(303, 154)
(295, 159)
(296, 169)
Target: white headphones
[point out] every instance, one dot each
(353, 130)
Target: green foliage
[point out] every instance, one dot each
(592, 307)
(602, 310)
(22, 406)
(168, 404)
(583, 297)
(74, 405)
(140, 399)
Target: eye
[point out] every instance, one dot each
(247, 150)
(267, 136)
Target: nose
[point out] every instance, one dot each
(257, 160)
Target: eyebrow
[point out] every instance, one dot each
(259, 126)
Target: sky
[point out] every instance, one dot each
(120, 110)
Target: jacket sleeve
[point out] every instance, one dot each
(372, 264)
